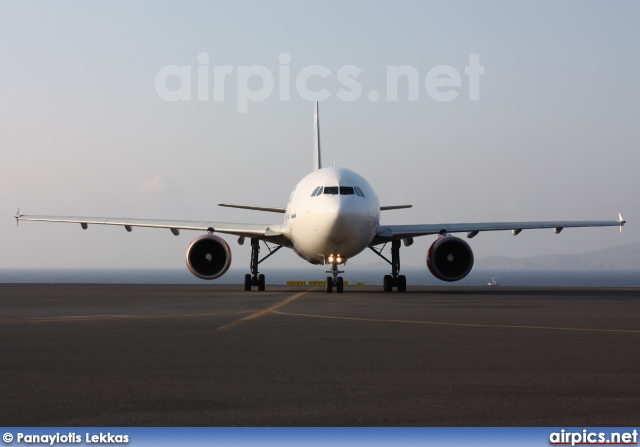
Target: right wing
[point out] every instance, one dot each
(268, 232)
(389, 232)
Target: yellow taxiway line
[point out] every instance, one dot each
(68, 318)
(262, 313)
(439, 323)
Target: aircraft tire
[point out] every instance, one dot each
(261, 282)
(339, 285)
(329, 284)
(402, 284)
(387, 283)
(247, 282)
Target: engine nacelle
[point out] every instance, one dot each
(450, 258)
(208, 256)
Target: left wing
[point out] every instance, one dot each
(272, 232)
(388, 232)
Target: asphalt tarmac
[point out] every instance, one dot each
(213, 355)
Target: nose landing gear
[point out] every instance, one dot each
(335, 281)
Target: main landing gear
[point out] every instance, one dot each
(393, 280)
(255, 279)
(335, 281)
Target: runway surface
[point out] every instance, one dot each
(212, 355)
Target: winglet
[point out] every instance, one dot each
(622, 221)
(17, 216)
(317, 159)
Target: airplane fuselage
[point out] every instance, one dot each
(332, 214)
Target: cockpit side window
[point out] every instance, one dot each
(317, 191)
(359, 192)
(347, 191)
(333, 190)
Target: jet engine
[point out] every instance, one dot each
(208, 256)
(450, 258)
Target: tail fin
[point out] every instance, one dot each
(317, 159)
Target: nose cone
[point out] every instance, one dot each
(347, 229)
(341, 220)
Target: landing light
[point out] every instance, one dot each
(339, 259)
(331, 259)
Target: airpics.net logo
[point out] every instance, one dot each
(255, 83)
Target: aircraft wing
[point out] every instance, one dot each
(260, 231)
(388, 232)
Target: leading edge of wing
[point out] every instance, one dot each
(238, 229)
(403, 231)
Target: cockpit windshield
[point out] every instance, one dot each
(333, 190)
(347, 191)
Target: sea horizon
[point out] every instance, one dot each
(368, 276)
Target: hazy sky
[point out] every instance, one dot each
(553, 135)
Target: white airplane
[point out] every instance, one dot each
(333, 214)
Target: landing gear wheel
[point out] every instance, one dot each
(261, 283)
(401, 284)
(329, 284)
(247, 282)
(387, 283)
(339, 284)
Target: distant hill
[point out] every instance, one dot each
(624, 257)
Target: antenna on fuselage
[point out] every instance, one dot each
(317, 159)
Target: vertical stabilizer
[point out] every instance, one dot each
(317, 159)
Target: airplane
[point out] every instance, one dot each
(332, 215)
